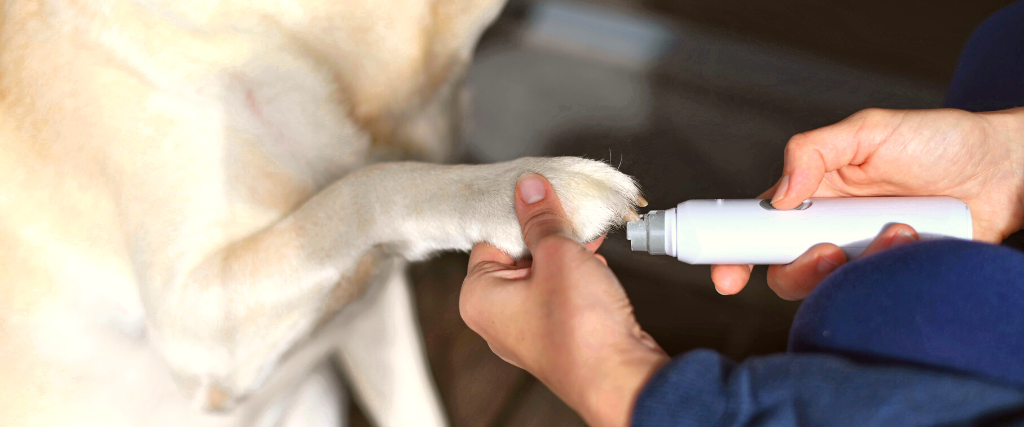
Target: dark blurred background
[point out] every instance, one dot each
(696, 99)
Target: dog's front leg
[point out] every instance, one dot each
(380, 350)
(228, 321)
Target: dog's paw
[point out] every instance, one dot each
(595, 196)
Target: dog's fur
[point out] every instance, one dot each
(190, 192)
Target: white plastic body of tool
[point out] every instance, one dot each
(753, 232)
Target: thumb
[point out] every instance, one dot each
(810, 155)
(539, 211)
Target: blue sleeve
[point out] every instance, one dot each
(990, 73)
(705, 389)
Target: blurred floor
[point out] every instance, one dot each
(692, 110)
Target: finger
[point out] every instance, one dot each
(488, 261)
(484, 252)
(540, 214)
(822, 191)
(895, 235)
(769, 192)
(601, 258)
(596, 243)
(796, 280)
(648, 341)
(524, 262)
(730, 279)
(502, 356)
(810, 155)
(481, 299)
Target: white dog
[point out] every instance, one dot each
(190, 192)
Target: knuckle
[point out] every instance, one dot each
(873, 111)
(797, 144)
(469, 304)
(781, 280)
(469, 311)
(871, 114)
(544, 225)
(476, 271)
(773, 278)
(552, 246)
(544, 215)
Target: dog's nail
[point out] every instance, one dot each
(641, 201)
(631, 216)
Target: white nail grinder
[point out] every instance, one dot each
(753, 232)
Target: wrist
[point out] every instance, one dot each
(607, 396)
(1007, 129)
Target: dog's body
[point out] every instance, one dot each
(189, 195)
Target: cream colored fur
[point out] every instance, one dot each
(192, 205)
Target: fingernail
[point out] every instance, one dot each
(826, 265)
(903, 237)
(531, 188)
(780, 193)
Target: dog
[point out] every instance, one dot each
(206, 204)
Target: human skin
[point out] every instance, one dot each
(564, 317)
(974, 157)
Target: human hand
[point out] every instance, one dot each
(974, 157)
(562, 316)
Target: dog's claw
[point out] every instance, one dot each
(641, 201)
(631, 216)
